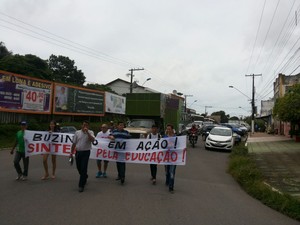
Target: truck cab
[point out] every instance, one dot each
(139, 128)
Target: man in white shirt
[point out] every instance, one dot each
(104, 133)
(82, 142)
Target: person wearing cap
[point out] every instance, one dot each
(111, 126)
(20, 153)
(153, 167)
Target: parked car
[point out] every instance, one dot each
(220, 138)
(235, 128)
(238, 133)
(68, 129)
(205, 130)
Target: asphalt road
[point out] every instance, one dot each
(204, 194)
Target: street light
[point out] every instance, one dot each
(185, 96)
(244, 109)
(240, 92)
(193, 103)
(146, 81)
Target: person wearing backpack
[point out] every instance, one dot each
(153, 167)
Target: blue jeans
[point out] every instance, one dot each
(170, 175)
(17, 159)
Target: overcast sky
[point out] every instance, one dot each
(197, 47)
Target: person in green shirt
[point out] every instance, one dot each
(20, 153)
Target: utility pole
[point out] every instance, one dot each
(131, 76)
(185, 101)
(206, 108)
(252, 102)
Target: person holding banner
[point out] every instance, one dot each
(170, 169)
(104, 133)
(52, 129)
(153, 167)
(82, 142)
(120, 133)
(20, 153)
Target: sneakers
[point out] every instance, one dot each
(24, 178)
(80, 189)
(122, 180)
(99, 174)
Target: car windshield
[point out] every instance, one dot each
(141, 123)
(220, 132)
(208, 127)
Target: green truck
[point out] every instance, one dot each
(146, 109)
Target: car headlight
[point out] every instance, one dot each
(209, 138)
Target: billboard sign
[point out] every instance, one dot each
(114, 103)
(72, 100)
(24, 94)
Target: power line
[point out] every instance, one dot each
(100, 55)
(277, 69)
(279, 36)
(267, 34)
(281, 45)
(262, 12)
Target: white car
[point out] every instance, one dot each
(220, 138)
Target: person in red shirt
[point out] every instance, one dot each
(193, 130)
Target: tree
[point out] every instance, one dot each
(234, 118)
(287, 108)
(3, 50)
(29, 65)
(224, 117)
(64, 70)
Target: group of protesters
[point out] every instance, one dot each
(82, 141)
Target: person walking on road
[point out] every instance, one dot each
(104, 133)
(170, 169)
(153, 167)
(52, 129)
(20, 153)
(120, 133)
(82, 141)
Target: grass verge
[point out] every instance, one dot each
(243, 168)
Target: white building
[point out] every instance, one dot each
(122, 87)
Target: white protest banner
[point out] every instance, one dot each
(165, 151)
(44, 142)
(171, 150)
